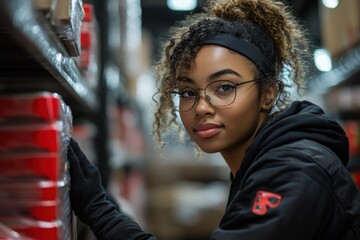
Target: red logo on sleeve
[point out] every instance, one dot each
(265, 200)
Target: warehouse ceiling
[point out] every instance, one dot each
(157, 18)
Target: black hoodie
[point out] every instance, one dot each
(292, 183)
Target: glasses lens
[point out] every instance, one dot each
(221, 93)
(184, 99)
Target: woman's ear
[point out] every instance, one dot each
(268, 97)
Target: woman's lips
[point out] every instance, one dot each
(207, 130)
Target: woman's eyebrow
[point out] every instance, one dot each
(212, 77)
(218, 74)
(185, 79)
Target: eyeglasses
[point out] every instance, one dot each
(220, 93)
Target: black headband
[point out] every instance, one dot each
(244, 48)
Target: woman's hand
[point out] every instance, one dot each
(90, 204)
(86, 189)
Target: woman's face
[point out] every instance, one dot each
(227, 129)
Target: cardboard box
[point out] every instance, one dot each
(340, 26)
(42, 5)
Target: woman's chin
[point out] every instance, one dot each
(207, 149)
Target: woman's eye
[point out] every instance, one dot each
(186, 93)
(225, 88)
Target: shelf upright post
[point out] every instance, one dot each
(101, 119)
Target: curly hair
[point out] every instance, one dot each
(266, 24)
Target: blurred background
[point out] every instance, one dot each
(98, 57)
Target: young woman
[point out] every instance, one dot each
(226, 72)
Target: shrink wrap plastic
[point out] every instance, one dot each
(66, 17)
(35, 130)
(88, 59)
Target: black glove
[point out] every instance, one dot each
(89, 202)
(86, 190)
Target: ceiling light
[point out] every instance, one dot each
(322, 60)
(182, 5)
(330, 3)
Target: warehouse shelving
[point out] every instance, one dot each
(341, 85)
(346, 71)
(34, 59)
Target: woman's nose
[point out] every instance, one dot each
(203, 105)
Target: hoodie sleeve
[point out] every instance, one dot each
(284, 195)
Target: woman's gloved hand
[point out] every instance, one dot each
(86, 190)
(90, 204)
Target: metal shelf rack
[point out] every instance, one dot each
(32, 58)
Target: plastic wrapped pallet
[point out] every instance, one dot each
(66, 17)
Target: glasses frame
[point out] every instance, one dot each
(197, 97)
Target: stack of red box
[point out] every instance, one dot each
(87, 60)
(86, 36)
(34, 180)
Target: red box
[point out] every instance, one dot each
(44, 211)
(43, 166)
(88, 12)
(44, 138)
(42, 106)
(85, 39)
(30, 191)
(39, 230)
